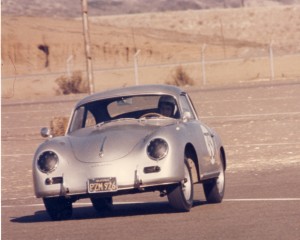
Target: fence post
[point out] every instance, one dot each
(87, 45)
(69, 65)
(136, 74)
(271, 60)
(203, 64)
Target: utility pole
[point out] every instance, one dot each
(87, 44)
(243, 3)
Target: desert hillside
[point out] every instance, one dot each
(72, 8)
(38, 50)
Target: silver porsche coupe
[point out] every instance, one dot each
(126, 141)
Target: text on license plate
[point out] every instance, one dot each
(102, 185)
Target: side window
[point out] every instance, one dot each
(77, 119)
(90, 120)
(186, 108)
(82, 118)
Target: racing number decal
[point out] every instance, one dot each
(209, 144)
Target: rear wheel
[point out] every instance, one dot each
(214, 189)
(181, 195)
(58, 208)
(102, 204)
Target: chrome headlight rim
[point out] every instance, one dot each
(47, 157)
(157, 144)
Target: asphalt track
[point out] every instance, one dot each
(260, 128)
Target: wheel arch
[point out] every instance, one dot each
(223, 157)
(190, 153)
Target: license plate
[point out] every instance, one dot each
(96, 185)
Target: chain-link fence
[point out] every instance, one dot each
(203, 67)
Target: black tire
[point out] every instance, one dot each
(214, 189)
(102, 204)
(58, 208)
(181, 195)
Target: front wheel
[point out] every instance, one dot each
(102, 204)
(181, 195)
(214, 189)
(58, 208)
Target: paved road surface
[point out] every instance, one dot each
(260, 127)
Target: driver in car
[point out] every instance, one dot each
(167, 106)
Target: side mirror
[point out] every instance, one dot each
(46, 132)
(187, 116)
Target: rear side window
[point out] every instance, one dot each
(186, 106)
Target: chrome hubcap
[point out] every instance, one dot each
(186, 184)
(221, 181)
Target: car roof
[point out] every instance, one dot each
(131, 91)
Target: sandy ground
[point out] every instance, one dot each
(233, 43)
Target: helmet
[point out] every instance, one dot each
(168, 100)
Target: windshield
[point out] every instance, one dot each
(134, 107)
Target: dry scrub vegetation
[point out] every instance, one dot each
(181, 78)
(71, 84)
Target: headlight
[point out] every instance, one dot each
(157, 149)
(47, 162)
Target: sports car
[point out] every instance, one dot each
(126, 141)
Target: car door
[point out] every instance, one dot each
(201, 137)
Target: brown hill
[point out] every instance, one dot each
(71, 8)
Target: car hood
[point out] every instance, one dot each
(110, 141)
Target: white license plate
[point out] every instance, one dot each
(97, 185)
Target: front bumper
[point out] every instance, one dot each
(130, 177)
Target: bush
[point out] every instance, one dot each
(181, 78)
(71, 84)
